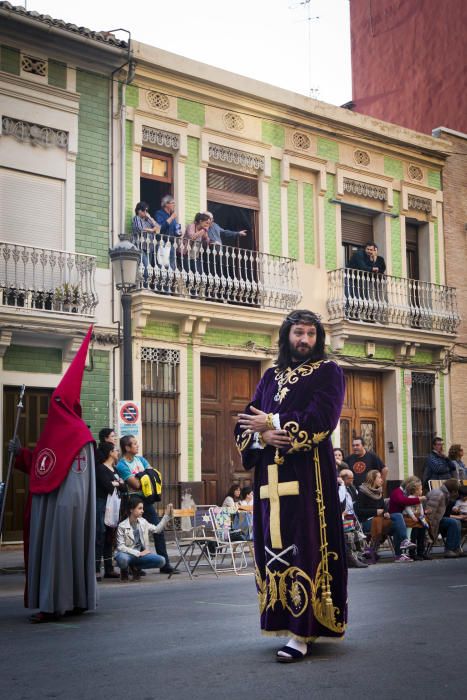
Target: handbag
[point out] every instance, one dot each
(112, 509)
(163, 254)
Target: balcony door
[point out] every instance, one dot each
(357, 229)
(226, 388)
(233, 199)
(32, 420)
(156, 178)
(362, 413)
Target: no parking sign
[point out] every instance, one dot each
(129, 419)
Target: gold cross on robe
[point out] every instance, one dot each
(273, 490)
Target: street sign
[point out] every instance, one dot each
(129, 419)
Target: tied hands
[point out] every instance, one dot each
(257, 422)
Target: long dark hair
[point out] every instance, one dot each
(284, 357)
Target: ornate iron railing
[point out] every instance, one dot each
(364, 296)
(47, 280)
(216, 272)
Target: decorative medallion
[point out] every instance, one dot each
(301, 141)
(157, 100)
(361, 157)
(233, 121)
(415, 173)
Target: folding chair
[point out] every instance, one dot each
(234, 550)
(435, 484)
(192, 542)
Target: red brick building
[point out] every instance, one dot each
(409, 62)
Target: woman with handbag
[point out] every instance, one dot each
(108, 484)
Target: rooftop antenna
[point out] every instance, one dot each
(306, 4)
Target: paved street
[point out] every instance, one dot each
(184, 639)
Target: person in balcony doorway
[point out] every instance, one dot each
(285, 435)
(170, 230)
(219, 235)
(195, 239)
(366, 290)
(144, 230)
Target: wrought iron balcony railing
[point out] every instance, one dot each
(47, 280)
(216, 272)
(363, 296)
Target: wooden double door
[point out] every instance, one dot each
(31, 423)
(362, 413)
(226, 388)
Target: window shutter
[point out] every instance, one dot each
(32, 209)
(357, 229)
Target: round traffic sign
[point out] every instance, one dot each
(129, 413)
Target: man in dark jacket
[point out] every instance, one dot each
(437, 465)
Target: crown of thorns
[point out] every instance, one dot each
(303, 317)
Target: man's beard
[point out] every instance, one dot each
(300, 356)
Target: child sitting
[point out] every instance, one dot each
(459, 510)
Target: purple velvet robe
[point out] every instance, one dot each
(301, 572)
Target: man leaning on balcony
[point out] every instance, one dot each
(166, 217)
(217, 234)
(365, 292)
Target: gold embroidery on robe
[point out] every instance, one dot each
(291, 376)
(243, 440)
(301, 441)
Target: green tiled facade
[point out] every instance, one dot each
(292, 213)
(273, 133)
(132, 95)
(327, 149)
(393, 167)
(275, 228)
(192, 190)
(396, 245)
(25, 358)
(193, 112)
(221, 336)
(161, 331)
(92, 167)
(9, 60)
(423, 357)
(309, 224)
(129, 204)
(57, 74)
(330, 214)
(405, 437)
(434, 179)
(95, 391)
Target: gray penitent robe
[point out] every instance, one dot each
(61, 571)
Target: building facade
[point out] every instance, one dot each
(309, 182)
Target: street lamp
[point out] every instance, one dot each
(125, 259)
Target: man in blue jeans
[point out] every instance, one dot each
(439, 503)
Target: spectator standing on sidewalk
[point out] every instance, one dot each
(437, 466)
(361, 461)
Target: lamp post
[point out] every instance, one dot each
(125, 259)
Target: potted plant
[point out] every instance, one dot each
(67, 298)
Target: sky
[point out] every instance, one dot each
(269, 40)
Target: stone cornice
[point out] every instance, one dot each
(49, 96)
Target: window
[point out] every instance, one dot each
(156, 166)
(160, 397)
(423, 418)
(357, 229)
(411, 237)
(156, 178)
(233, 199)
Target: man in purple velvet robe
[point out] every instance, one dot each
(285, 434)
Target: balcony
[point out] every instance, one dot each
(355, 295)
(40, 279)
(217, 273)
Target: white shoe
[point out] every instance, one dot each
(407, 544)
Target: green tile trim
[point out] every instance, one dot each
(353, 350)
(26, 358)
(57, 74)
(221, 336)
(309, 223)
(327, 148)
(382, 352)
(442, 405)
(9, 60)
(434, 179)
(396, 244)
(330, 249)
(161, 331)
(436, 247)
(190, 413)
(95, 392)
(192, 189)
(273, 133)
(92, 191)
(129, 203)
(193, 112)
(132, 96)
(423, 357)
(275, 229)
(394, 168)
(292, 214)
(405, 447)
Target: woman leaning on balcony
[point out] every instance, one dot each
(194, 239)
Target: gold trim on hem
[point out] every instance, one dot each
(287, 633)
